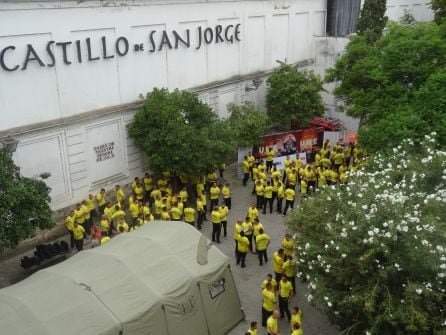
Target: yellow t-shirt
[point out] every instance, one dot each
(215, 192)
(296, 318)
(118, 214)
(243, 243)
(79, 215)
(298, 332)
(155, 193)
(105, 225)
(105, 239)
(260, 190)
(252, 331)
(139, 191)
(78, 232)
(289, 193)
(86, 212)
(270, 155)
(175, 212)
(262, 241)
(256, 228)
(183, 195)
(268, 192)
(237, 229)
(276, 174)
(251, 160)
(165, 216)
(255, 172)
(148, 183)
(120, 195)
(278, 263)
(100, 198)
(268, 299)
(247, 227)
(271, 324)
(273, 283)
(245, 166)
(189, 214)
(134, 210)
(124, 225)
(158, 207)
(226, 192)
(281, 192)
(216, 216)
(200, 206)
(69, 222)
(288, 246)
(223, 213)
(253, 213)
(291, 177)
(90, 203)
(289, 268)
(285, 289)
(108, 212)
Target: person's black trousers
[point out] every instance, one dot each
(216, 231)
(224, 225)
(245, 178)
(288, 203)
(200, 220)
(267, 201)
(260, 199)
(241, 257)
(279, 204)
(228, 203)
(262, 256)
(79, 244)
(214, 202)
(249, 237)
(283, 307)
(265, 315)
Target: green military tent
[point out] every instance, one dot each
(163, 278)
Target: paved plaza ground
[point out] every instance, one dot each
(248, 280)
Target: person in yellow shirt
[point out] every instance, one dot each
(69, 223)
(268, 198)
(104, 225)
(268, 303)
(256, 226)
(255, 172)
(79, 215)
(278, 258)
(269, 158)
(200, 213)
(78, 235)
(245, 168)
(224, 219)
(248, 230)
(226, 192)
(120, 195)
(122, 226)
(280, 196)
(138, 190)
(214, 192)
(117, 213)
(290, 195)
(162, 184)
(148, 186)
(237, 229)
(101, 200)
(200, 186)
(288, 245)
(296, 317)
(253, 212)
(135, 209)
(252, 330)
(297, 330)
(289, 269)
(90, 205)
(272, 325)
(158, 207)
(165, 214)
(338, 159)
(183, 195)
(242, 248)
(262, 242)
(285, 295)
(175, 212)
(269, 280)
(105, 240)
(189, 215)
(251, 161)
(88, 222)
(291, 179)
(216, 224)
(260, 193)
(275, 173)
(286, 165)
(148, 218)
(155, 193)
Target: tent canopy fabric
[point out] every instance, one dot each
(147, 281)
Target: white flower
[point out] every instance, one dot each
(310, 297)
(326, 298)
(343, 255)
(307, 246)
(419, 290)
(329, 304)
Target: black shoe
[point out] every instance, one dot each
(261, 264)
(243, 266)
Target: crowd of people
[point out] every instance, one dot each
(191, 199)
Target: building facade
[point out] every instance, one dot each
(71, 73)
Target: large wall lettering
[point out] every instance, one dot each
(156, 42)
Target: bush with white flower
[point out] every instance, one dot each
(374, 250)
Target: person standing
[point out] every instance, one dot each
(290, 195)
(289, 269)
(242, 248)
(278, 263)
(285, 294)
(253, 212)
(189, 215)
(101, 201)
(262, 242)
(252, 330)
(78, 235)
(224, 219)
(120, 195)
(272, 325)
(245, 168)
(69, 223)
(268, 303)
(260, 193)
(200, 213)
(296, 317)
(269, 159)
(214, 192)
(226, 192)
(270, 280)
(216, 224)
(268, 198)
(251, 161)
(288, 245)
(248, 230)
(237, 230)
(280, 196)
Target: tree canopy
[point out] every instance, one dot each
(293, 96)
(24, 204)
(372, 19)
(439, 8)
(179, 133)
(247, 122)
(374, 250)
(396, 86)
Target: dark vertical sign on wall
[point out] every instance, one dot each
(342, 17)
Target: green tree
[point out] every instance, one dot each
(439, 8)
(372, 19)
(293, 96)
(24, 204)
(247, 122)
(374, 250)
(395, 85)
(180, 133)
